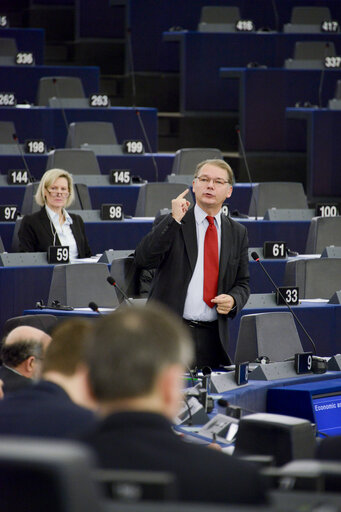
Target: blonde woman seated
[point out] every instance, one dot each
(53, 225)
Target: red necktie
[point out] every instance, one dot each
(211, 262)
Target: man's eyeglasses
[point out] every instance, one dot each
(218, 182)
(54, 192)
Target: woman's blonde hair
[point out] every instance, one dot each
(48, 179)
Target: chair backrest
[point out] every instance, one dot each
(68, 103)
(313, 50)
(15, 237)
(310, 54)
(78, 284)
(219, 14)
(60, 87)
(82, 198)
(310, 15)
(218, 19)
(281, 436)
(48, 475)
(276, 195)
(7, 130)
(43, 322)
(316, 278)
(125, 273)
(186, 159)
(75, 161)
(323, 231)
(93, 132)
(8, 47)
(153, 197)
(267, 334)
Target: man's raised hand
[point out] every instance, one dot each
(180, 206)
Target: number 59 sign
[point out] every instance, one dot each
(58, 254)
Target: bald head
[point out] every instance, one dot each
(26, 332)
(23, 350)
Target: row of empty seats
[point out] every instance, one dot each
(100, 137)
(225, 19)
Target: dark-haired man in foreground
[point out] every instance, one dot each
(136, 359)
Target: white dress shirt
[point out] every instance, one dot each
(195, 308)
(64, 232)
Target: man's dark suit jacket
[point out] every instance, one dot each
(35, 234)
(145, 441)
(172, 249)
(43, 410)
(13, 380)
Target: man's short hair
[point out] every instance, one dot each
(218, 163)
(66, 350)
(128, 349)
(13, 354)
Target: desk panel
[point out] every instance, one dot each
(127, 234)
(49, 124)
(28, 40)
(22, 286)
(127, 195)
(323, 135)
(23, 81)
(141, 165)
(253, 397)
(264, 95)
(203, 54)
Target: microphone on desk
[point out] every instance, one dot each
(253, 196)
(61, 106)
(235, 411)
(255, 256)
(94, 307)
(112, 281)
(320, 89)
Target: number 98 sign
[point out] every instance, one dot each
(112, 212)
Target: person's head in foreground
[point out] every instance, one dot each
(136, 358)
(23, 350)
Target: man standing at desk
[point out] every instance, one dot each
(202, 262)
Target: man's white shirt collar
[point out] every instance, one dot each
(200, 215)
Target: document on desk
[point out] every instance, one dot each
(101, 310)
(315, 300)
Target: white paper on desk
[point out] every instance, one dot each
(93, 259)
(101, 310)
(315, 300)
(305, 257)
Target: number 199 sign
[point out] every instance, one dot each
(133, 147)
